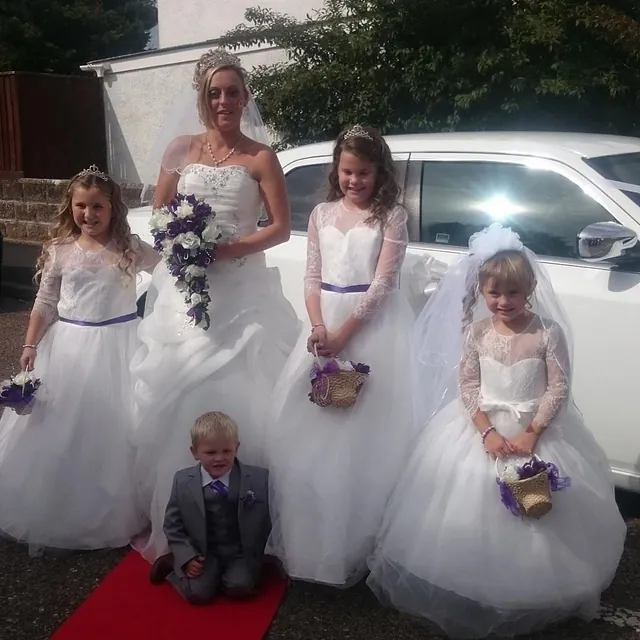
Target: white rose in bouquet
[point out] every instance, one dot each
(194, 272)
(211, 233)
(188, 240)
(184, 210)
(22, 378)
(196, 298)
(160, 219)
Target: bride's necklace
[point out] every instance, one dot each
(217, 163)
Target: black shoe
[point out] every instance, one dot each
(161, 568)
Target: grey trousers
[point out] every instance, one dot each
(235, 576)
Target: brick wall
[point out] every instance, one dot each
(28, 207)
(27, 210)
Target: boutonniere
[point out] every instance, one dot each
(249, 498)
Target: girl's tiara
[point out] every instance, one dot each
(93, 171)
(212, 60)
(357, 131)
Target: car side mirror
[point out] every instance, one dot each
(605, 241)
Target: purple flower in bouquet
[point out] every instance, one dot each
(186, 237)
(19, 392)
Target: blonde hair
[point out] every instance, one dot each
(507, 269)
(65, 229)
(214, 423)
(203, 102)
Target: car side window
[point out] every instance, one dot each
(306, 187)
(459, 198)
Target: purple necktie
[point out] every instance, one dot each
(219, 487)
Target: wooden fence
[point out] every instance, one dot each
(51, 126)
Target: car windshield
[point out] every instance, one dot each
(623, 169)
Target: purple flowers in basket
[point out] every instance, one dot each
(529, 469)
(325, 376)
(19, 392)
(186, 236)
(334, 366)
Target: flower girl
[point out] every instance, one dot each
(332, 469)
(65, 469)
(457, 546)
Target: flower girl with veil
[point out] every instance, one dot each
(460, 544)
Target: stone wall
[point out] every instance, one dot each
(27, 210)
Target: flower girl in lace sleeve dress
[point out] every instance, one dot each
(66, 468)
(457, 546)
(331, 468)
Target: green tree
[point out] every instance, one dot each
(58, 36)
(442, 65)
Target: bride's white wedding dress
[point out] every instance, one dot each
(181, 371)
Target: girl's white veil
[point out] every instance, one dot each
(439, 331)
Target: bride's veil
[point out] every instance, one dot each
(181, 121)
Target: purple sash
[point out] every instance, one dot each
(354, 288)
(103, 323)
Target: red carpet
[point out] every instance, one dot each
(125, 606)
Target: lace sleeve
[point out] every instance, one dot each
(146, 257)
(313, 275)
(392, 252)
(46, 302)
(558, 373)
(469, 375)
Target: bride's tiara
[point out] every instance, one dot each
(357, 131)
(93, 171)
(214, 59)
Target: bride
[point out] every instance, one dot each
(182, 371)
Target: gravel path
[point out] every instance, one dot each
(37, 594)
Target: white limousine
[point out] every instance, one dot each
(573, 198)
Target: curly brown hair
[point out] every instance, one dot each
(65, 229)
(509, 268)
(375, 150)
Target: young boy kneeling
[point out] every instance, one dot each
(217, 520)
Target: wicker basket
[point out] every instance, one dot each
(532, 494)
(338, 389)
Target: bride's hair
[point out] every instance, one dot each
(66, 230)
(507, 268)
(207, 66)
(367, 143)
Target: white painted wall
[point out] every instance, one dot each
(138, 93)
(188, 21)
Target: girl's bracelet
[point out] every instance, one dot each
(485, 433)
(315, 326)
(29, 346)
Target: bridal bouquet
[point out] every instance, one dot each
(337, 383)
(525, 489)
(186, 236)
(19, 392)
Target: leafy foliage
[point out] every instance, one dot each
(60, 35)
(442, 65)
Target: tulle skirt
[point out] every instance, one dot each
(182, 372)
(66, 469)
(451, 552)
(332, 470)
